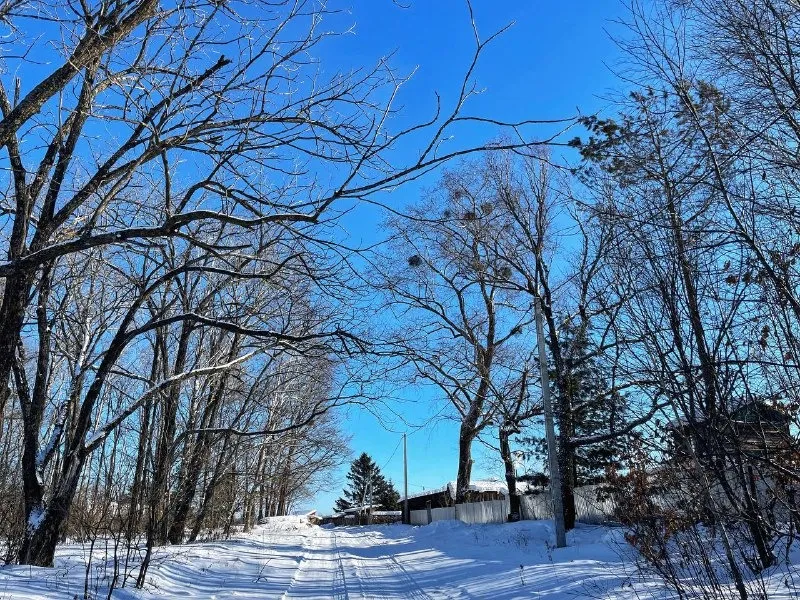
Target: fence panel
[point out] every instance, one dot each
(419, 517)
(494, 511)
(588, 509)
(532, 506)
(536, 506)
(443, 514)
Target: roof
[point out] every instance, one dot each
(481, 485)
(351, 511)
(430, 492)
(754, 411)
(355, 509)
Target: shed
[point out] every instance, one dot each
(444, 496)
(755, 427)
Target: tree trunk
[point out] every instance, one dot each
(197, 458)
(164, 449)
(566, 457)
(186, 493)
(466, 436)
(506, 430)
(44, 524)
(142, 452)
(41, 536)
(567, 463)
(209, 492)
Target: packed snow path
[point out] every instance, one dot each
(287, 558)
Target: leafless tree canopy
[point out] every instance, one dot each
(175, 297)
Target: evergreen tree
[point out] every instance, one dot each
(388, 497)
(595, 410)
(367, 485)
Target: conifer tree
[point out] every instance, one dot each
(367, 486)
(595, 409)
(388, 496)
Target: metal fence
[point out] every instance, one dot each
(420, 517)
(443, 514)
(532, 506)
(536, 506)
(493, 511)
(588, 508)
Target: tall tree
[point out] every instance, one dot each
(549, 248)
(366, 487)
(226, 154)
(596, 410)
(459, 321)
(695, 278)
(388, 496)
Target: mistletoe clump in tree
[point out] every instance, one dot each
(367, 487)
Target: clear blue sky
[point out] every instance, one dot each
(554, 61)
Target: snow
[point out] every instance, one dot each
(288, 558)
(483, 485)
(47, 449)
(438, 490)
(35, 519)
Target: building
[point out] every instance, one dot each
(755, 428)
(444, 496)
(363, 515)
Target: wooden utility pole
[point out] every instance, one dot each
(552, 449)
(369, 507)
(406, 516)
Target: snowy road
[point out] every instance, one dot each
(289, 559)
(343, 564)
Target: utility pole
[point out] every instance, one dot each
(369, 508)
(552, 451)
(406, 516)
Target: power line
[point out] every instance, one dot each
(392, 455)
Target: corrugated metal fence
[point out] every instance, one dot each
(419, 517)
(494, 511)
(533, 506)
(588, 508)
(443, 514)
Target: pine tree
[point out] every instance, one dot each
(367, 485)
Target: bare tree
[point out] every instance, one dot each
(697, 187)
(458, 319)
(550, 248)
(225, 148)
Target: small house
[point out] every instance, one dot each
(444, 496)
(754, 428)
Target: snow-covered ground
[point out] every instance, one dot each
(288, 558)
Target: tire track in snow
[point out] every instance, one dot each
(339, 578)
(414, 589)
(384, 577)
(315, 576)
(300, 566)
(326, 571)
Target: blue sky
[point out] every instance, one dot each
(557, 59)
